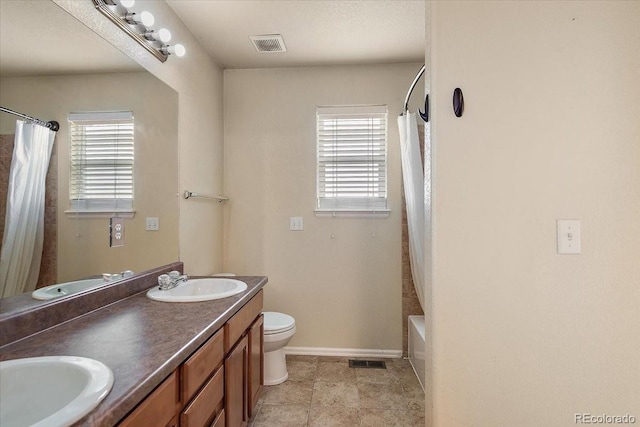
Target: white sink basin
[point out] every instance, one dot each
(51, 390)
(68, 288)
(199, 290)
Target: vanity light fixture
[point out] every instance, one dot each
(162, 35)
(128, 4)
(137, 26)
(177, 50)
(145, 18)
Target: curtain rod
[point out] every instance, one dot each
(413, 85)
(53, 125)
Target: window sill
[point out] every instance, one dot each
(352, 213)
(99, 214)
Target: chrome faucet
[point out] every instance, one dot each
(108, 277)
(171, 280)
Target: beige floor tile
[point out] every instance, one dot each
(332, 416)
(334, 359)
(325, 392)
(332, 372)
(301, 370)
(411, 384)
(391, 418)
(398, 365)
(282, 416)
(382, 396)
(415, 398)
(301, 358)
(404, 369)
(289, 393)
(377, 376)
(335, 394)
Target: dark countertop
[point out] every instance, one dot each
(141, 340)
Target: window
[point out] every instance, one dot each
(101, 159)
(352, 159)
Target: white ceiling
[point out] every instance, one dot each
(316, 32)
(40, 38)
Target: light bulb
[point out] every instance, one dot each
(127, 3)
(177, 50)
(145, 18)
(164, 35)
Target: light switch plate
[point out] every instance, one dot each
(296, 223)
(153, 224)
(116, 232)
(569, 239)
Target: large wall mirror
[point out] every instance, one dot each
(52, 65)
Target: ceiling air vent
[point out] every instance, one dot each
(269, 43)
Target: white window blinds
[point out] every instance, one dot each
(352, 158)
(101, 158)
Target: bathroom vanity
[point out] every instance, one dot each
(174, 364)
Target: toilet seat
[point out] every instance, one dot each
(275, 323)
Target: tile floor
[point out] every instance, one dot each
(325, 392)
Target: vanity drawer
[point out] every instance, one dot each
(241, 321)
(204, 406)
(219, 421)
(199, 367)
(158, 408)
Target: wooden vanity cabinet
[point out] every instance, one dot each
(235, 384)
(244, 362)
(218, 385)
(159, 408)
(202, 378)
(256, 362)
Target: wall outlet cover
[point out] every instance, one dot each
(116, 232)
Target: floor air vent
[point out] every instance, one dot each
(375, 364)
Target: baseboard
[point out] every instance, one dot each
(343, 352)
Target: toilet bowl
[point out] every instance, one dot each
(278, 330)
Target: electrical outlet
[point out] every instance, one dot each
(116, 232)
(153, 224)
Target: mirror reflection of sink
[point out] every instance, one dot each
(68, 288)
(51, 390)
(194, 290)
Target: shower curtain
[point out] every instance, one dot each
(413, 181)
(24, 222)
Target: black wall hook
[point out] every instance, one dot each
(425, 115)
(458, 102)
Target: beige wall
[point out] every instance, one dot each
(83, 244)
(343, 292)
(198, 81)
(523, 336)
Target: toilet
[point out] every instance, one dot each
(278, 330)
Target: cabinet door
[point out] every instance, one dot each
(236, 367)
(256, 362)
(159, 408)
